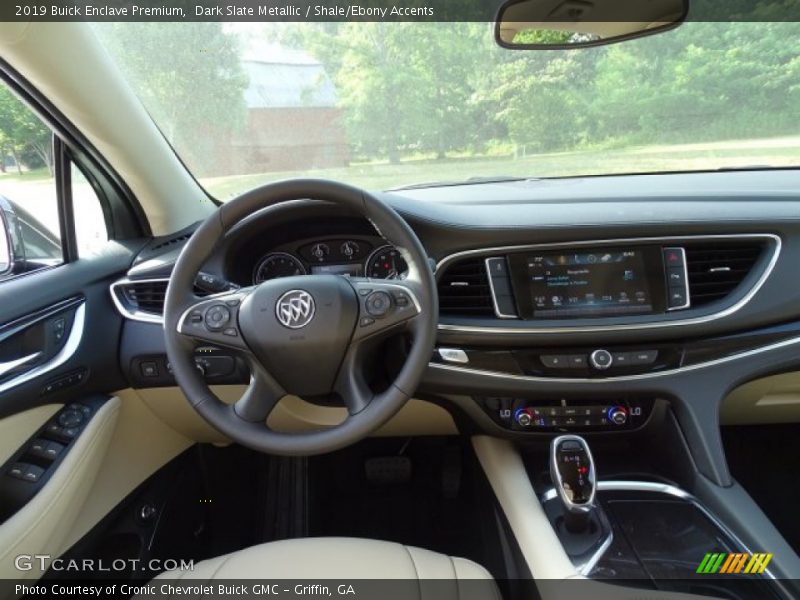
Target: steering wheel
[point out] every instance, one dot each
(305, 335)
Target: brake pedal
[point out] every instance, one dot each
(388, 470)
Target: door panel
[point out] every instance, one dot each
(55, 323)
(31, 309)
(41, 526)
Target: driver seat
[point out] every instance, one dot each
(347, 560)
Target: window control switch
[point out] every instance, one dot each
(33, 473)
(18, 470)
(38, 448)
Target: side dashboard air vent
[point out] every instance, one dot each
(148, 296)
(464, 289)
(717, 268)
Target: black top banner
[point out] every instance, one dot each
(343, 10)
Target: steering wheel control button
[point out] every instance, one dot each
(217, 317)
(601, 359)
(454, 355)
(364, 292)
(233, 302)
(366, 321)
(378, 304)
(196, 317)
(401, 300)
(230, 331)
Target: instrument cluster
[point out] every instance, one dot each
(348, 256)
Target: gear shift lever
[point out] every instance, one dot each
(573, 474)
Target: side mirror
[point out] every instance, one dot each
(567, 24)
(8, 238)
(6, 251)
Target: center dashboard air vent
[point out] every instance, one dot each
(717, 268)
(464, 289)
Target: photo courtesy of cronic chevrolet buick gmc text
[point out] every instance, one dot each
(497, 305)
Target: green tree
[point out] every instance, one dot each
(190, 77)
(404, 87)
(22, 134)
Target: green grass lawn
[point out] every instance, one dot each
(11, 174)
(777, 152)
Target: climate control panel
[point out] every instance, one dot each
(520, 414)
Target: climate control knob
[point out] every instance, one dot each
(523, 417)
(618, 415)
(601, 359)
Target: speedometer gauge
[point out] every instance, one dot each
(386, 263)
(277, 264)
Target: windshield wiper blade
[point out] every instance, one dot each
(469, 181)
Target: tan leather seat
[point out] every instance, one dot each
(350, 560)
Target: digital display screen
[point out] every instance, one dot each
(349, 270)
(573, 468)
(588, 284)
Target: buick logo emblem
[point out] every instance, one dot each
(295, 309)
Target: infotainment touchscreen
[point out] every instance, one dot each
(589, 283)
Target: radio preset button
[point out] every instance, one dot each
(555, 361)
(577, 361)
(643, 357)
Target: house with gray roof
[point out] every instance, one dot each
(293, 122)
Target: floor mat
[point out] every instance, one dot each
(763, 459)
(429, 509)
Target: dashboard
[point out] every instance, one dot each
(622, 308)
(564, 305)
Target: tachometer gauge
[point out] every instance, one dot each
(277, 264)
(386, 263)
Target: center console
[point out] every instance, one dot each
(644, 530)
(598, 522)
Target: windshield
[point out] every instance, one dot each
(381, 105)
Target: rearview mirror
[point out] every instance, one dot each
(566, 24)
